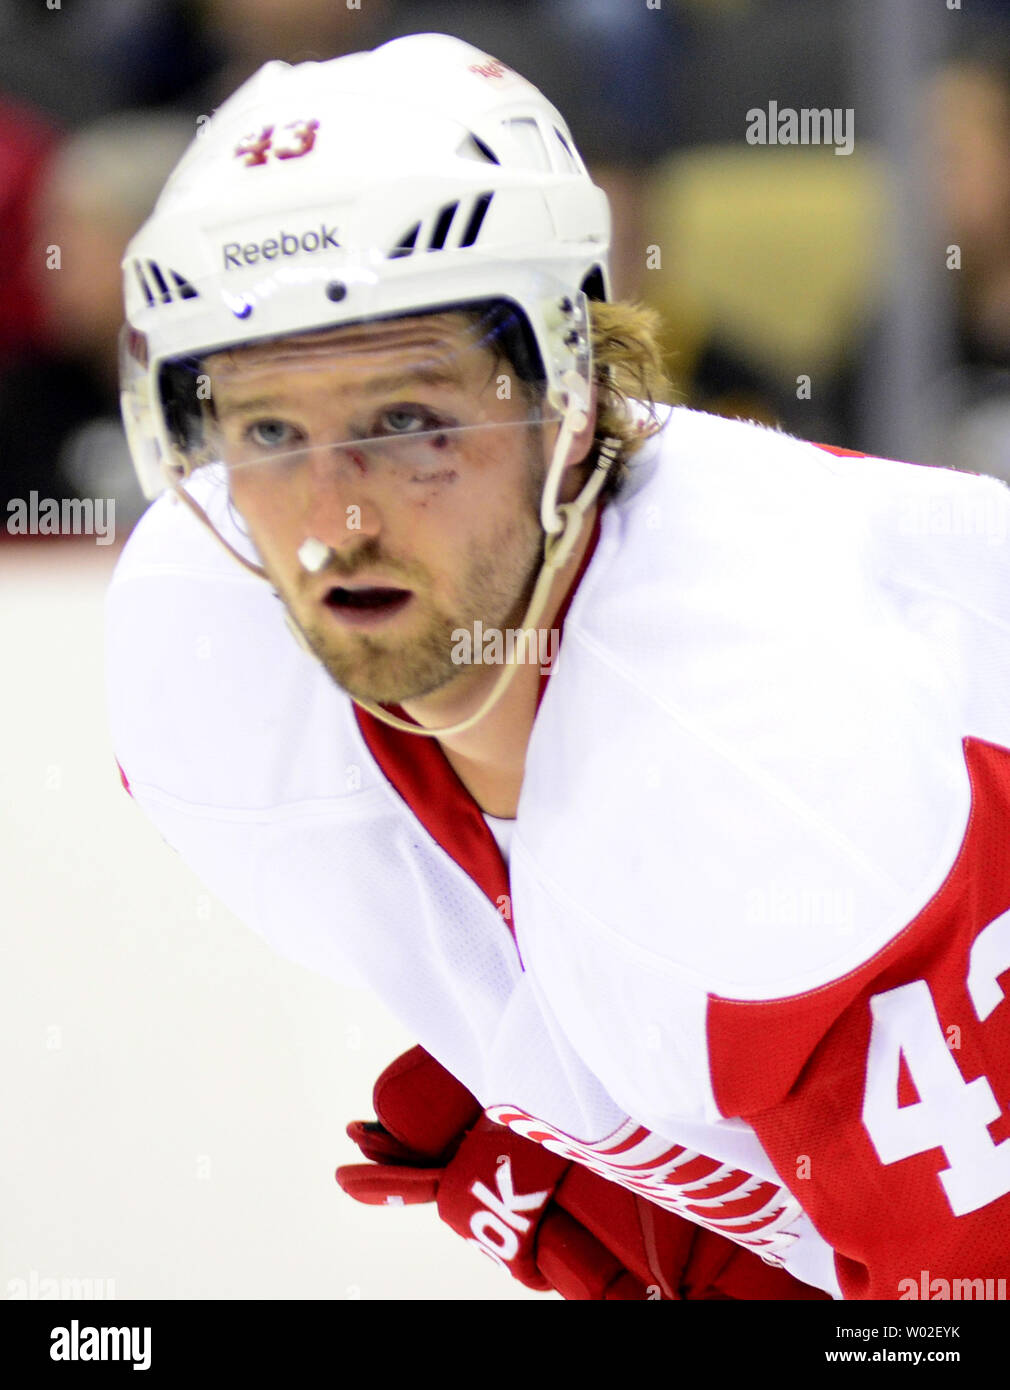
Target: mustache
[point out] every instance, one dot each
(369, 557)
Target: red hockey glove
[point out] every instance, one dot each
(551, 1223)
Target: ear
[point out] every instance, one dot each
(581, 444)
(580, 447)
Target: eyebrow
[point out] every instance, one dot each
(430, 376)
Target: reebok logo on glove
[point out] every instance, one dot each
(495, 1227)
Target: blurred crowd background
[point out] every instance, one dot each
(799, 287)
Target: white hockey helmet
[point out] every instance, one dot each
(413, 179)
(421, 175)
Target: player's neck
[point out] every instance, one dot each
(490, 757)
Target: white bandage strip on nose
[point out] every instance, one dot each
(314, 555)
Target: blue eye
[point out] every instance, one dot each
(410, 416)
(269, 434)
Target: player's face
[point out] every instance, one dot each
(430, 531)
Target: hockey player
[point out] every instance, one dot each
(653, 768)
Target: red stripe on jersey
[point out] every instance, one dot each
(123, 778)
(695, 1170)
(842, 453)
(735, 1232)
(747, 1205)
(635, 1137)
(426, 780)
(715, 1189)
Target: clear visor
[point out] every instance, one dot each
(410, 402)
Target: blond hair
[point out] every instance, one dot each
(627, 366)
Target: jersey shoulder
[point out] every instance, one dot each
(767, 684)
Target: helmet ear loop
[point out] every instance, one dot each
(562, 521)
(574, 419)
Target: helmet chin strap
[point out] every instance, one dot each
(179, 494)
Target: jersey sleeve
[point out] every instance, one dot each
(883, 1098)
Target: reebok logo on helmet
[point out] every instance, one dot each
(283, 244)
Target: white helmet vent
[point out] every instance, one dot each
(407, 244)
(473, 147)
(442, 224)
(162, 292)
(526, 132)
(569, 159)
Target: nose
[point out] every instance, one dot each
(339, 499)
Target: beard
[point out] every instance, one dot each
(495, 587)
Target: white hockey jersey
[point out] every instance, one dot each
(760, 874)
